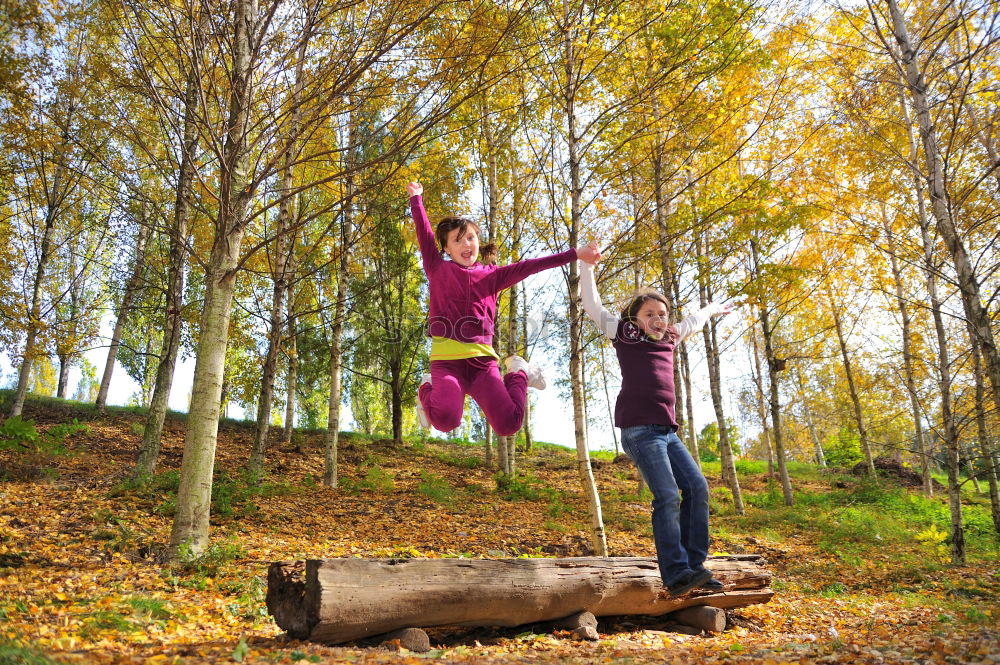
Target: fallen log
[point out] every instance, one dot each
(340, 600)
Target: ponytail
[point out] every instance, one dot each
(488, 254)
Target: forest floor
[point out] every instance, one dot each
(861, 570)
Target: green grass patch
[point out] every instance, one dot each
(15, 653)
(436, 488)
(746, 467)
(862, 518)
(376, 480)
(459, 461)
(248, 599)
(605, 455)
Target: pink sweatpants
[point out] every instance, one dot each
(501, 398)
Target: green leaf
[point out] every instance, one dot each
(241, 651)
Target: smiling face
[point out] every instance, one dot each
(652, 318)
(460, 240)
(649, 311)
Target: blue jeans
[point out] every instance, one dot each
(680, 497)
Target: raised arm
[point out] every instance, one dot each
(605, 320)
(508, 275)
(425, 235)
(696, 321)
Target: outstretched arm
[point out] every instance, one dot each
(509, 275)
(513, 273)
(605, 320)
(425, 235)
(696, 321)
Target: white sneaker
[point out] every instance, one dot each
(536, 379)
(421, 414)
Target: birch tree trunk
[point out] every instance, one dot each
(762, 408)
(52, 208)
(852, 388)
(492, 205)
(607, 399)
(772, 375)
(173, 319)
(285, 244)
(512, 327)
(66, 352)
(715, 382)
(124, 310)
(807, 414)
(331, 440)
(685, 374)
(985, 443)
(948, 425)
(671, 288)
(598, 538)
(904, 313)
(275, 326)
(527, 402)
(191, 519)
(291, 377)
(968, 282)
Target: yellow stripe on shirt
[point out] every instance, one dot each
(443, 348)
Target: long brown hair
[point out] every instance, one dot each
(641, 297)
(487, 253)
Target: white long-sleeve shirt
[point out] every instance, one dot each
(608, 322)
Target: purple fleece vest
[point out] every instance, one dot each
(647, 367)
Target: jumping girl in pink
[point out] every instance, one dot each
(463, 306)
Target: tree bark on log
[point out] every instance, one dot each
(340, 600)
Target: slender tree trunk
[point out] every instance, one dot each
(65, 361)
(950, 436)
(685, 376)
(270, 370)
(806, 412)
(35, 310)
(970, 471)
(396, 392)
(124, 310)
(762, 408)
(292, 376)
(527, 402)
(985, 442)
(173, 321)
(284, 245)
(63, 352)
(598, 538)
(904, 312)
(671, 288)
(715, 381)
(968, 283)
(191, 518)
(331, 440)
(852, 388)
(775, 403)
(492, 205)
(512, 299)
(607, 399)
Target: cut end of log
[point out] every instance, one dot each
(703, 617)
(413, 639)
(286, 598)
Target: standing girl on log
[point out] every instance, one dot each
(644, 341)
(463, 306)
